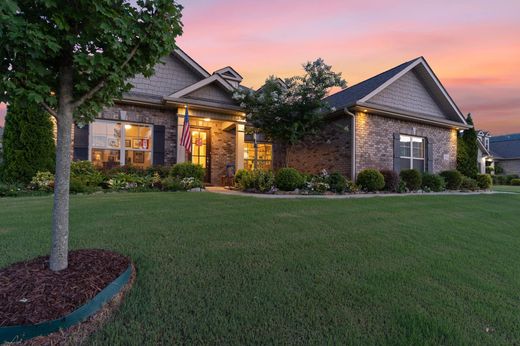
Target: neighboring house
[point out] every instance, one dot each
(144, 128)
(400, 119)
(485, 160)
(506, 151)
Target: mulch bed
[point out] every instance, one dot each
(31, 293)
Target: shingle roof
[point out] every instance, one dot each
(349, 96)
(507, 146)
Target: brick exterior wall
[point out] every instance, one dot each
(374, 142)
(330, 151)
(149, 115)
(222, 150)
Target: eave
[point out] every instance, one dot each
(409, 116)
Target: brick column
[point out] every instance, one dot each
(239, 147)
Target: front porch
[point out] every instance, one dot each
(217, 141)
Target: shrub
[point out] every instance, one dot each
(43, 181)
(263, 181)
(489, 170)
(187, 170)
(240, 175)
(317, 184)
(123, 181)
(85, 173)
(171, 184)
(11, 190)
(412, 179)
(337, 183)
(28, 141)
(391, 180)
(453, 179)
(515, 182)
(433, 182)
(162, 170)
(468, 184)
(191, 183)
(371, 180)
(78, 185)
(484, 181)
(288, 179)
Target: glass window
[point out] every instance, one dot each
(412, 153)
(264, 156)
(112, 147)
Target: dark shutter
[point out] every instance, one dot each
(397, 152)
(429, 156)
(158, 144)
(81, 143)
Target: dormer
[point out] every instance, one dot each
(230, 75)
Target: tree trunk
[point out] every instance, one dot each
(60, 213)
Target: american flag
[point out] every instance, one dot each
(186, 133)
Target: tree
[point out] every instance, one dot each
(28, 142)
(74, 57)
(291, 109)
(467, 151)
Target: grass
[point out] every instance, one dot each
(506, 188)
(216, 269)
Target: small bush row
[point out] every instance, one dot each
(86, 178)
(371, 180)
(290, 179)
(505, 179)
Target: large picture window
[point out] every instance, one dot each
(412, 153)
(120, 143)
(264, 158)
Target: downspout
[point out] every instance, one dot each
(353, 130)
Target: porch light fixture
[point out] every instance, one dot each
(128, 126)
(364, 110)
(207, 119)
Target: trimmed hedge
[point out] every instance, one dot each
(371, 180)
(515, 182)
(337, 182)
(392, 180)
(433, 182)
(288, 179)
(484, 181)
(453, 179)
(188, 170)
(469, 184)
(412, 179)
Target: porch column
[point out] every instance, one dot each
(239, 147)
(181, 151)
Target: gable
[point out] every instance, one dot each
(171, 75)
(212, 92)
(409, 93)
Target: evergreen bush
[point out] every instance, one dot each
(288, 179)
(412, 179)
(28, 142)
(371, 180)
(453, 179)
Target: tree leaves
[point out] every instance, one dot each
(291, 109)
(99, 36)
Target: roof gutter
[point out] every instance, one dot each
(398, 114)
(353, 140)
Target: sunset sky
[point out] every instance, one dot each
(472, 45)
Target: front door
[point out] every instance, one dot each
(201, 150)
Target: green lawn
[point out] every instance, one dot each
(216, 269)
(506, 188)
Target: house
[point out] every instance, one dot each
(400, 119)
(144, 127)
(485, 160)
(506, 151)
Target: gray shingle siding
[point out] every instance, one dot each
(213, 93)
(170, 76)
(408, 93)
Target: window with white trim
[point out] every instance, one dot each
(120, 143)
(412, 153)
